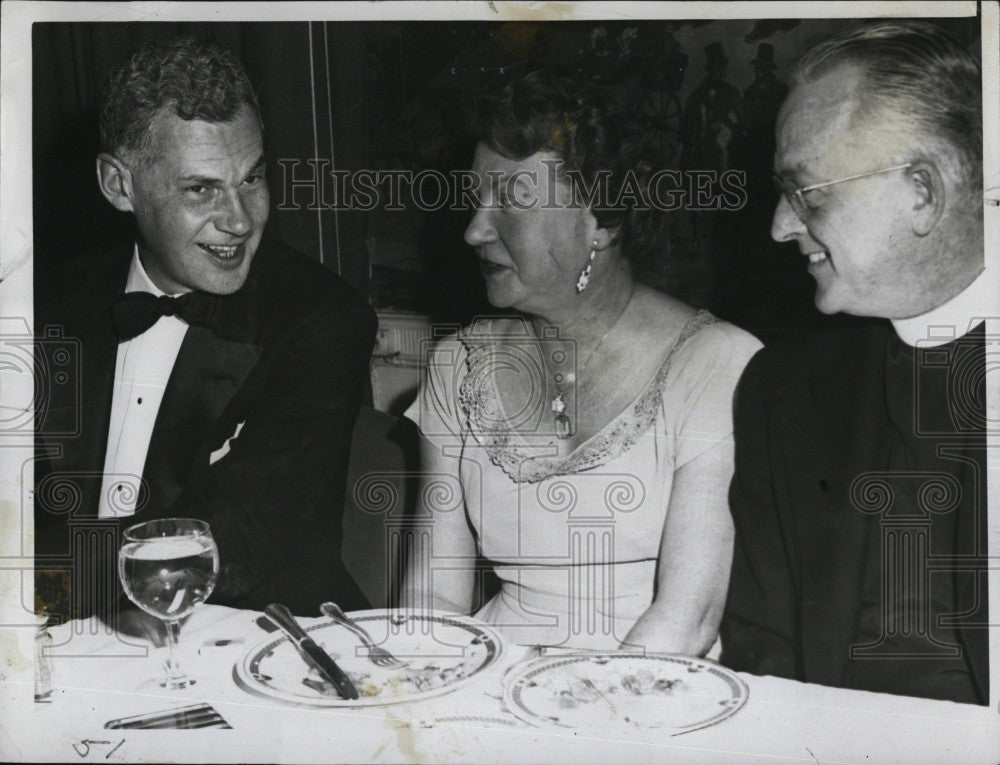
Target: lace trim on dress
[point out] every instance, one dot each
(486, 420)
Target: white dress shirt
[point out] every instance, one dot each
(949, 321)
(142, 369)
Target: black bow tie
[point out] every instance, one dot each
(135, 312)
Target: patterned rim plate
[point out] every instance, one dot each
(612, 690)
(439, 654)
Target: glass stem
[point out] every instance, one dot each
(175, 675)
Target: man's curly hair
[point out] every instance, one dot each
(196, 81)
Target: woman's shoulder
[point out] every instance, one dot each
(696, 333)
(491, 330)
(702, 352)
(715, 337)
(475, 343)
(480, 331)
(444, 343)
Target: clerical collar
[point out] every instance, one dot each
(949, 321)
(138, 280)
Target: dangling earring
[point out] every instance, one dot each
(584, 278)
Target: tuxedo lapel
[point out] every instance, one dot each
(88, 322)
(206, 376)
(842, 425)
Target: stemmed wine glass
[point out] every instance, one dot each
(168, 567)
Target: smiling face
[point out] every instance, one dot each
(532, 242)
(857, 235)
(201, 202)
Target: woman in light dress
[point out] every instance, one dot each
(582, 446)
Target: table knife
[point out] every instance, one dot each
(311, 652)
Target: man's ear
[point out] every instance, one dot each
(929, 196)
(115, 181)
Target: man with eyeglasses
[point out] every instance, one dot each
(859, 496)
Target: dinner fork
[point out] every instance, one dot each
(378, 656)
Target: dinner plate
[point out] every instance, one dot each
(439, 654)
(612, 690)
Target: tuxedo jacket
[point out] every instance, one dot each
(285, 361)
(807, 430)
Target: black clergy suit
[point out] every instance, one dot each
(854, 464)
(286, 356)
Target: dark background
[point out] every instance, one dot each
(390, 95)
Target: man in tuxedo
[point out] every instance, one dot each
(859, 497)
(220, 373)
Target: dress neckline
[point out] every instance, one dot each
(509, 450)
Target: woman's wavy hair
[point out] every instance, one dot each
(588, 129)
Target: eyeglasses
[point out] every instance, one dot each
(796, 195)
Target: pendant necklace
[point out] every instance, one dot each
(563, 425)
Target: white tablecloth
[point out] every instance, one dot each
(98, 676)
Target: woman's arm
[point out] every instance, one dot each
(441, 557)
(441, 554)
(695, 555)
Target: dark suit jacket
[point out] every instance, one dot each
(288, 359)
(806, 427)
